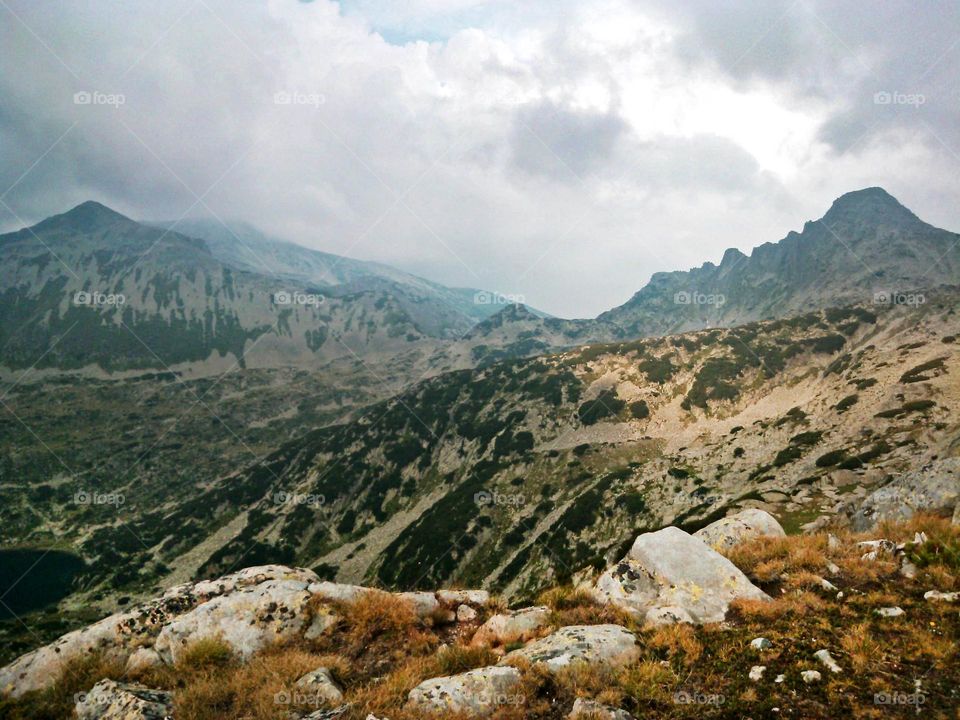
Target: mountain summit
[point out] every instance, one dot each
(866, 246)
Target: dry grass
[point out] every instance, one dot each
(381, 650)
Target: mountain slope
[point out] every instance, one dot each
(867, 244)
(439, 310)
(522, 473)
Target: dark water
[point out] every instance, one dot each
(33, 579)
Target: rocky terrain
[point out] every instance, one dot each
(397, 434)
(867, 245)
(736, 620)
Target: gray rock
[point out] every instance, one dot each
(734, 529)
(476, 694)
(247, 619)
(810, 676)
(890, 612)
(466, 614)
(109, 700)
(933, 595)
(595, 711)
(756, 672)
(826, 659)
(512, 626)
(935, 488)
(119, 635)
(761, 643)
(320, 683)
(608, 645)
(670, 568)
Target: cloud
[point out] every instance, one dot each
(526, 148)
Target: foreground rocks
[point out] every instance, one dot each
(513, 626)
(477, 693)
(109, 700)
(607, 645)
(248, 610)
(734, 529)
(670, 573)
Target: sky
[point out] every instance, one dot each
(559, 152)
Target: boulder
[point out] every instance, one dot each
(672, 569)
(756, 672)
(934, 488)
(247, 619)
(659, 616)
(118, 636)
(466, 614)
(424, 604)
(734, 529)
(512, 626)
(592, 710)
(109, 700)
(320, 684)
(476, 694)
(609, 645)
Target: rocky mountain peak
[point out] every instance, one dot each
(873, 203)
(85, 217)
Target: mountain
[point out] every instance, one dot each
(867, 245)
(94, 288)
(521, 474)
(438, 310)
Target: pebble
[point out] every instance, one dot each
(810, 676)
(890, 612)
(827, 660)
(760, 643)
(756, 672)
(945, 596)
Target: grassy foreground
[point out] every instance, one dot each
(901, 666)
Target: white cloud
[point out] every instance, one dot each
(527, 148)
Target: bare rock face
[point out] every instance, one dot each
(247, 619)
(120, 634)
(734, 529)
(109, 700)
(476, 694)
(935, 488)
(609, 645)
(513, 626)
(671, 569)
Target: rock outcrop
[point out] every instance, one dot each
(512, 626)
(609, 645)
(109, 700)
(935, 489)
(670, 573)
(477, 693)
(734, 529)
(248, 610)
